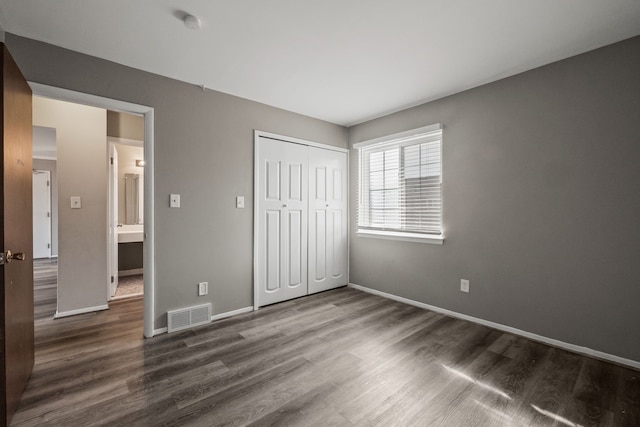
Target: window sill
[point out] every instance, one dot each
(407, 237)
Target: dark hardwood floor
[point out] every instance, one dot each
(341, 357)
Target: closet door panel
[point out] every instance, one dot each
(281, 272)
(328, 219)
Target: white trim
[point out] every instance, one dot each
(147, 112)
(259, 133)
(158, 331)
(535, 337)
(397, 235)
(60, 314)
(256, 220)
(125, 141)
(231, 313)
(392, 139)
(121, 297)
(41, 157)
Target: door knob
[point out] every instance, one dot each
(18, 256)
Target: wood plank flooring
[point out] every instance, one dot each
(338, 358)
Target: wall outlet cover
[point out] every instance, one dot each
(174, 200)
(464, 285)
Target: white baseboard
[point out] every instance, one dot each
(159, 331)
(231, 313)
(60, 314)
(213, 318)
(535, 337)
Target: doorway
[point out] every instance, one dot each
(41, 214)
(148, 259)
(126, 207)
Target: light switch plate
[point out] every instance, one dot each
(174, 200)
(240, 202)
(203, 288)
(76, 202)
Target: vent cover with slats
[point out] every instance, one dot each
(188, 317)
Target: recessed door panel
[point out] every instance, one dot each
(319, 232)
(295, 182)
(321, 184)
(337, 185)
(273, 251)
(273, 180)
(295, 248)
(337, 252)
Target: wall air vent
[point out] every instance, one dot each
(188, 317)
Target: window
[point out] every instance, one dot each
(400, 186)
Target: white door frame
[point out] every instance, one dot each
(147, 112)
(48, 174)
(257, 134)
(112, 219)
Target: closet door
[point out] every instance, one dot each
(282, 214)
(327, 219)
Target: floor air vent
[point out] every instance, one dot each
(188, 317)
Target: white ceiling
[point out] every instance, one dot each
(344, 61)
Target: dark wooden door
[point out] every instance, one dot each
(16, 236)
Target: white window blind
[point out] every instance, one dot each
(400, 187)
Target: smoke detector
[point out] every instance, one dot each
(192, 22)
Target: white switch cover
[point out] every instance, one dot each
(203, 288)
(76, 202)
(240, 202)
(174, 200)
(464, 285)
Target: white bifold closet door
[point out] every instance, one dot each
(282, 209)
(301, 219)
(327, 219)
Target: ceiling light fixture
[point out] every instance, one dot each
(192, 22)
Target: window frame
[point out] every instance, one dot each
(398, 140)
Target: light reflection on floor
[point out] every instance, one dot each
(474, 381)
(556, 417)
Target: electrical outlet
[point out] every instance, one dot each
(464, 285)
(203, 288)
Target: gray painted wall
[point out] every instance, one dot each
(52, 167)
(541, 203)
(204, 151)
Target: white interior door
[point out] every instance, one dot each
(113, 220)
(327, 219)
(41, 214)
(281, 211)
